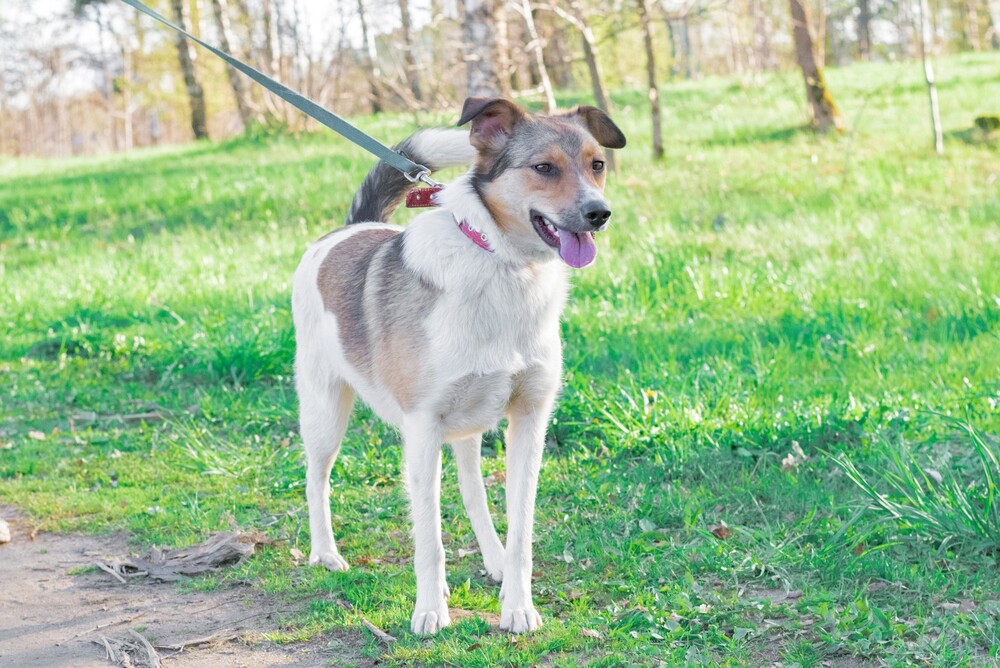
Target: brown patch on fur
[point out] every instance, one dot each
(398, 367)
(341, 281)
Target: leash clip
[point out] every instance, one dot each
(422, 174)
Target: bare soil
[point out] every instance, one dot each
(52, 617)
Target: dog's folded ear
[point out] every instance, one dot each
(493, 119)
(601, 126)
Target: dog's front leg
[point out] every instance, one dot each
(525, 441)
(422, 460)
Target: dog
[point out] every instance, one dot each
(452, 324)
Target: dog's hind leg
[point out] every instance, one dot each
(422, 461)
(470, 482)
(323, 418)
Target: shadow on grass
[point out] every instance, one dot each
(974, 137)
(751, 136)
(141, 198)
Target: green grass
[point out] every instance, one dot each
(761, 287)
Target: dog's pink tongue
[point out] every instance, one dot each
(577, 249)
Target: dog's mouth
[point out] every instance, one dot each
(577, 249)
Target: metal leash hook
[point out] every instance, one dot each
(423, 175)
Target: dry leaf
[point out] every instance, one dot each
(721, 531)
(934, 475)
(37, 435)
(590, 633)
(297, 554)
(794, 458)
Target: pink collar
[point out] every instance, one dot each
(424, 197)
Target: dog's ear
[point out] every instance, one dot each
(601, 126)
(493, 119)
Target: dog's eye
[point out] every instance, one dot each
(597, 165)
(542, 168)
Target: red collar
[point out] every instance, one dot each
(477, 237)
(424, 197)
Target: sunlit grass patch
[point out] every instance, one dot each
(953, 497)
(758, 302)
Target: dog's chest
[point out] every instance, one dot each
(474, 403)
(489, 339)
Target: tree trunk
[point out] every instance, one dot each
(864, 29)
(409, 52)
(272, 44)
(536, 49)
(506, 69)
(993, 22)
(374, 72)
(903, 23)
(762, 37)
(925, 39)
(187, 57)
(480, 45)
(578, 19)
(972, 25)
(220, 9)
(691, 66)
(822, 108)
(654, 92)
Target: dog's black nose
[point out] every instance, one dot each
(596, 212)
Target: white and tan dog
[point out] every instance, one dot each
(448, 326)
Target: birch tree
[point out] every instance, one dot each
(535, 46)
(480, 45)
(372, 68)
(925, 39)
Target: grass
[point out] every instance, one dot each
(761, 289)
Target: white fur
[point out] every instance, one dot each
(496, 325)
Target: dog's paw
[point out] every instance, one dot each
(494, 567)
(494, 564)
(425, 622)
(520, 620)
(332, 561)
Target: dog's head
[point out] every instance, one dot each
(542, 177)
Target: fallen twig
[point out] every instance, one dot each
(127, 620)
(109, 569)
(221, 636)
(376, 631)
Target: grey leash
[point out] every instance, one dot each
(410, 169)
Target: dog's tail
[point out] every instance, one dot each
(384, 187)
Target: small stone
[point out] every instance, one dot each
(4, 531)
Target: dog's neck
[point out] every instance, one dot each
(442, 253)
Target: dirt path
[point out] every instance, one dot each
(50, 618)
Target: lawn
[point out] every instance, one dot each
(772, 319)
